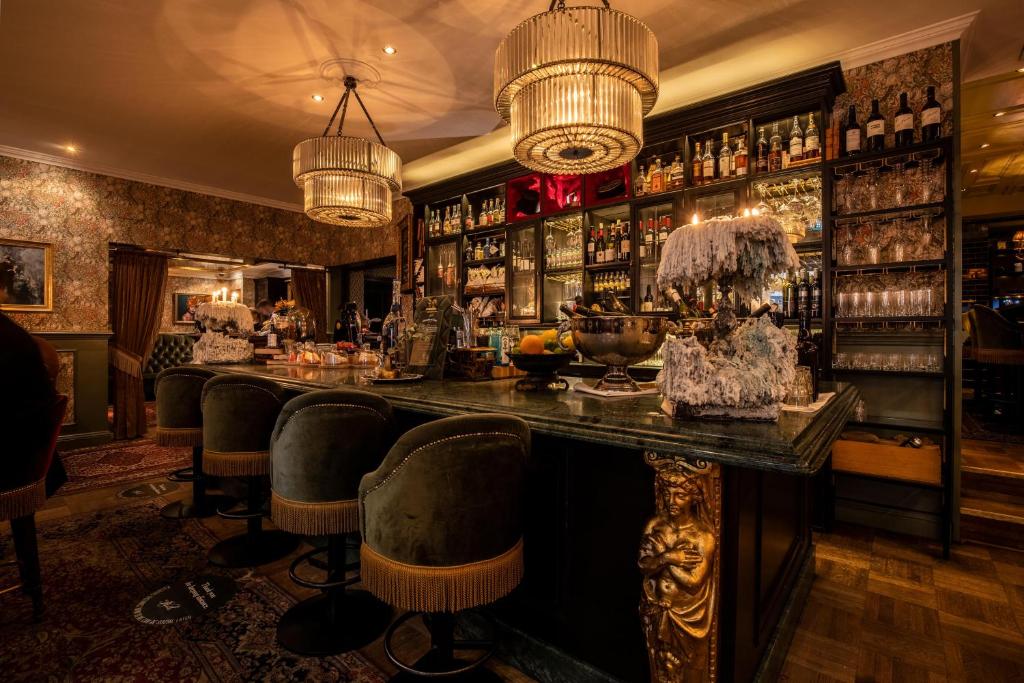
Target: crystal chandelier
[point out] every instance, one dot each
(347, 180)
(575, 84)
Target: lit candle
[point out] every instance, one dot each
(223, 293)
(756, 211)
(214, 295)
(234, 297)
(746, 212)
(696, 219)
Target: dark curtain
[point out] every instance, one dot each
(137, 286)
(310, 290)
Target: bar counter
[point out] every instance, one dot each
(700, 581)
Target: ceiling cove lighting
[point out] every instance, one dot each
(575, 84)
(347, 180)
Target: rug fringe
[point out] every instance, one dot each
(441, 589)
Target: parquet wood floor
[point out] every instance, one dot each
(888, 608)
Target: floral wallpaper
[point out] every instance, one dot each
(81, 213)
(885, 80)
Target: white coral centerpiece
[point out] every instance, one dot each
(215, 347)
(747, 370)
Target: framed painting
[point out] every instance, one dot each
(32, 267)
(185, 306)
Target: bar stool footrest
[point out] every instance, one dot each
(435, 665)
(306, 558)
(185, 474)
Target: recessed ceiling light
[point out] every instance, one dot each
(1020, 70)
(974, 170)
(999, 113)
(71, 149)
(318, 98)
(390, 50)
(985, 145)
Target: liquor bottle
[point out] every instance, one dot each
(762, 151)
(625, 246)
(931, 117)
(649, 239)
(853, 142)
(803, 294)
(600, 244)
(662, 231)
(639, 185)
(807, 352)
(648, 304)
(739, 159)
(903, 124)
(816, 296)
(446, 225)
(792, 306)
(657, 178)
(796, 141)
(470, 224)
(812, 139)
(492, 248)
(478, 252)
(775, 150)
(591, 245)
(875, 130)
(676, 176)
(709, 163)
(469, 251)
(697, 167)
(725, 158)
(641, 245)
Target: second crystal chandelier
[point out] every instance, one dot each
(575, 84)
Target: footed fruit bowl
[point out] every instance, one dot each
(541, 370)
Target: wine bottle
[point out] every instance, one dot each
(649, 239)
(610, 246)
(792, 303)
(931, 117)
(875, 129)
(709, 163)
(648, 304)
(803, 294)
(775, 150)
(812, 140)
(613, 305)
(599, 258)
(761, 310)
(625, 245)
(591, 244)
(853, 145)
(725, 158)
(697, 166)
(762, 152)
(903, 124)
(787, 294)
(807, 352)
(796, 141)
(740, 157)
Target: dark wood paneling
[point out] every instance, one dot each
(90, 401)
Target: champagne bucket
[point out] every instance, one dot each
(618, 341)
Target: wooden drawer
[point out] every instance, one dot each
(920, 465)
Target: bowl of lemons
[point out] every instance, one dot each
(542, 357)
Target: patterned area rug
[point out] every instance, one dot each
(99, 565)
(150, 414)
(119, 462)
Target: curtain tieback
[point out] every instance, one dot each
(126, 361)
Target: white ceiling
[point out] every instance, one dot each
(214, 95)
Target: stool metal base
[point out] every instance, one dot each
(187, 509)
(248, 550)
(185, 474)
(313, 628)
(441, 661)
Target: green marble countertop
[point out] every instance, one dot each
(798, 443)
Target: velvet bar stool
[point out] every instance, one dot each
(323, 444)
(239, 413)
(22, 492)
(179, 422)
(442, 531)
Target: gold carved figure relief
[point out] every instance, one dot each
(679, 562)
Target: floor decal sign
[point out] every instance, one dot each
(184, 600)
(150, 490)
